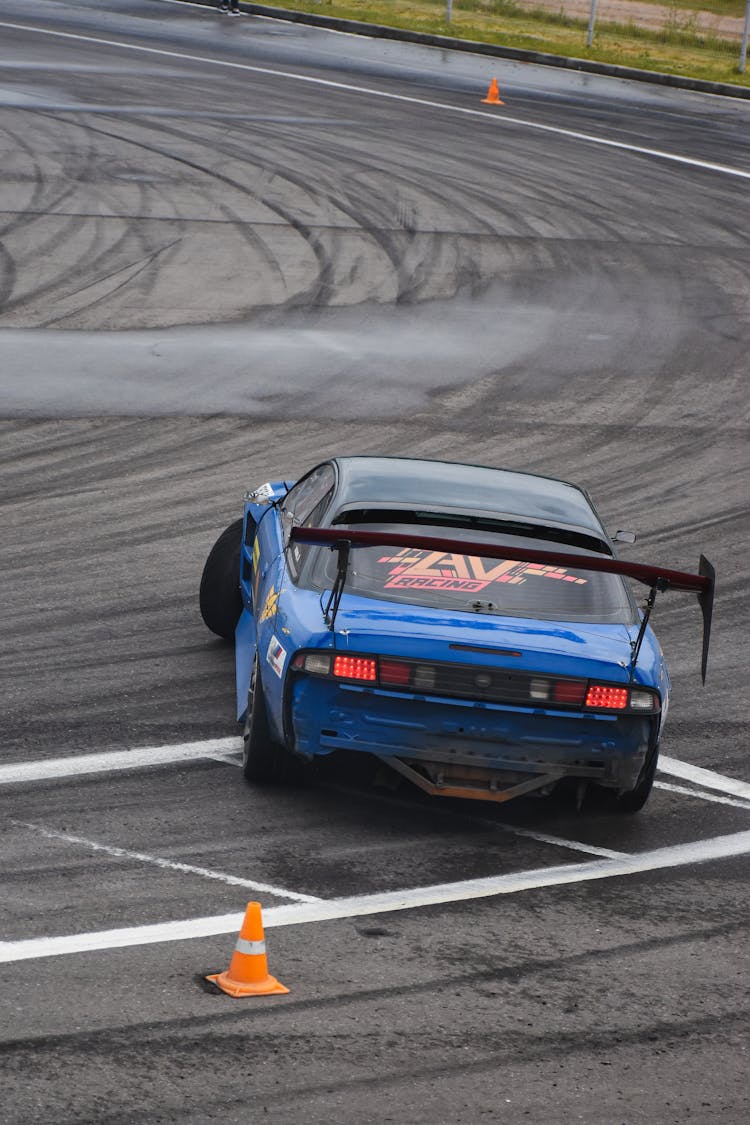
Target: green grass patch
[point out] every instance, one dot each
(678, 48)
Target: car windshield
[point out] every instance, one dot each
(467, 582)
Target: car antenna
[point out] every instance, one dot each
(342, 547)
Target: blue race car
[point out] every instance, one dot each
(471, 627)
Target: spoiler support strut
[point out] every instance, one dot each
(636, 644)
(343, 548)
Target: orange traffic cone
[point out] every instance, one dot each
(247, 974)
(493, 94)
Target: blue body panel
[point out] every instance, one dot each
(328, 716)
(244, 651)
(261, 568)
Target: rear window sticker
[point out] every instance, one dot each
(438, 570)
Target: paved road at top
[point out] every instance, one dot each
(214, 272)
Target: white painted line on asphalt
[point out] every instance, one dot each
(293, 76)
(167, 864)
(701, 794)
(119, 939)
(707, 778)
(77, 765)
(678, 855)
(225, 750)
(563, 842)
(234, 759)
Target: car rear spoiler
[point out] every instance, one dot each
(658, 578)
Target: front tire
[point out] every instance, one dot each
(219, 597)
(263, 759)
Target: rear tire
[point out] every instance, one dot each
(263, 759)
(219, 597)
(634, 801)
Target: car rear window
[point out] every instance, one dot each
(469, 582)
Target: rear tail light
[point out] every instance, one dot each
(517, 689)
(643, 700)
(425, 677)
(568, 691)
(318, 663)
(395, 672)
(610, 698)
(355, 668)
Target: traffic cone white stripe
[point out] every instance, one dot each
(251, 947)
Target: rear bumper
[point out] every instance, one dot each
(608, 749)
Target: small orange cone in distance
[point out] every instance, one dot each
(493, 94)
(248, 974)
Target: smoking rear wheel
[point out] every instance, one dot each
(219, 598)
(263, 759)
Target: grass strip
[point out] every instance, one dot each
(678, 48)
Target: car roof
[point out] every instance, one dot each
(445, 485)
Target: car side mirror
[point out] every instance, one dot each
(624, 537)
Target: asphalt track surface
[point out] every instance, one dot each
(231, 247)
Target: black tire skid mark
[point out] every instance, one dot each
(76, 223)
(38, 205)
(304, 230)
(393, 247)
